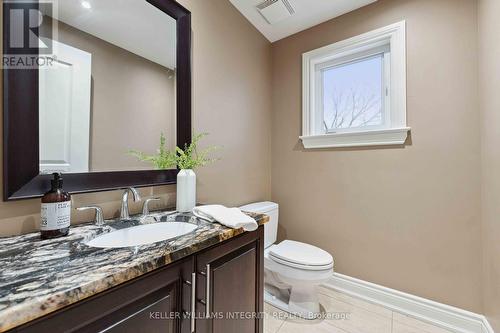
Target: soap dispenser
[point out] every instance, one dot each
(56, 210)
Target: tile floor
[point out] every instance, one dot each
(353, 316)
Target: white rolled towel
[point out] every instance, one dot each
(230, 217)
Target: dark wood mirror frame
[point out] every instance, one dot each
(21, 171)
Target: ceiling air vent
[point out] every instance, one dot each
(275, 11)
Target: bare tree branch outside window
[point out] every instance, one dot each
(353, 95)
(353, 108)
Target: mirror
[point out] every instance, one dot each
(95, 86)
(109, 93)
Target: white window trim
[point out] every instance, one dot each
(393, 35)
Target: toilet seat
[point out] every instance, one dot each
(301, 256)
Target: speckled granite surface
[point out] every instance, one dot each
(41, 276)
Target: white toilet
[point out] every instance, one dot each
(292, 269)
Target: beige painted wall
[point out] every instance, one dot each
(406, 218)
(489, 83)
(232, 100)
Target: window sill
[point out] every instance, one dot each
(385, 137)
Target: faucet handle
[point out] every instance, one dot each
(99, 216)
(145, 207)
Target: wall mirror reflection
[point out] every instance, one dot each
(110, 93)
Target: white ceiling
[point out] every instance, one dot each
(308, 13)
(136, 26)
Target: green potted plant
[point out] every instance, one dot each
(187, 159)
(164, 159)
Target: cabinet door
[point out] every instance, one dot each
(230, 286)
(155, 302)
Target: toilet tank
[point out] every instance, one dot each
(271, 227)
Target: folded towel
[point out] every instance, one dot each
(230, 217)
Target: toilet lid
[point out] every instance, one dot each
(301, 254)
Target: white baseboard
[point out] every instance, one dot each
(445, 316)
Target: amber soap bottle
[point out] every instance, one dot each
(56, 210)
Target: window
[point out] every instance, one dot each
(354, 91)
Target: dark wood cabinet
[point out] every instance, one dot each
(225, 280)
(229, 289)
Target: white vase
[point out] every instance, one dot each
(186, 190)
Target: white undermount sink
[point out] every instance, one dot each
(142, 235)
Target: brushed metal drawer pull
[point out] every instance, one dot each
(206, 274)
(207, 290)
(193, 302)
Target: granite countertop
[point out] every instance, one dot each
(41, 276)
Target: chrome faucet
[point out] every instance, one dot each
(124, 213)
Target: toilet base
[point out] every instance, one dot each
(301, 305)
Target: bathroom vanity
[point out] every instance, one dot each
(64, 285)
(121, 90)
(115, 87)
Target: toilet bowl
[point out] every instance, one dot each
(292, 270)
